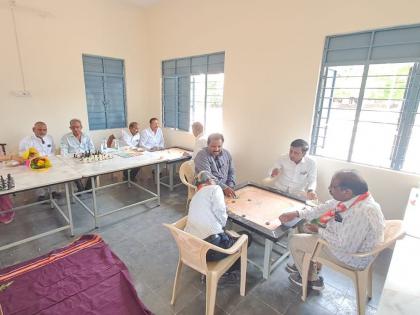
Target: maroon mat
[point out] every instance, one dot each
(85, 277)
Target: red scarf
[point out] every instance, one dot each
(341, 207)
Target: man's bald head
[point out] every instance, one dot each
(197, 128)
(351, 180)
(40, 129)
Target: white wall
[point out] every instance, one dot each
(52, 49)
(273, 54)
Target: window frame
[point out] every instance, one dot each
(409, 108)
(177, 77)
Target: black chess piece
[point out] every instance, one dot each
(2, 183)
(10, 181)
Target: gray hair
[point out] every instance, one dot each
(74, 120)
(203, 177)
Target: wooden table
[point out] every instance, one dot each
(257, 209)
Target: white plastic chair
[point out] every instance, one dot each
(192, 252)
(362, 279)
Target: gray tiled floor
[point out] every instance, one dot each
(139, 239)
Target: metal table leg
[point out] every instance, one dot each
(95, 206)
(158, 182)
(267, 258)
(66, 187)
(171, 176)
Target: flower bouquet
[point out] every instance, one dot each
(39, 163)
(34, 161)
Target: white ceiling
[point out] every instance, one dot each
(142, 3)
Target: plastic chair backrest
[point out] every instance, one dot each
(393, 231)
(186, 173)
(110, 140)
(192, 250)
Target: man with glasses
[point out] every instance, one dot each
(218, 162)
(351, 223)
(76, 142)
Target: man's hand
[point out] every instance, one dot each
(275, 172)
(288, 216)
(312, 228)
(229, 192)
(311, 195)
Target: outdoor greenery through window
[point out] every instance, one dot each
(192, 90)
(367, 106)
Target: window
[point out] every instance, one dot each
(192, 90)
(367, 108)
(105, 92)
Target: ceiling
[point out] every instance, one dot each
(142, 3)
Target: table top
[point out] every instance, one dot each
(175, 154)
(401, 293)
(26, 178)
(117, 163)
(258, 207)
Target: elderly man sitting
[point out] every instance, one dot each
(351, 223)
(207, 218)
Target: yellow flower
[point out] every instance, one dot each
(30, 153)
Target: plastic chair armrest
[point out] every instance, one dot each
(236, 247)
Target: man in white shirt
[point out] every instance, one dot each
(200, 139)
(76, 142)
(39, 140)
(351, 223)
(152, 138)
(207, 217)
(44, 144)
(131, 138)
(295, 173)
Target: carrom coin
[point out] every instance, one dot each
(267, 223)
(243, 216)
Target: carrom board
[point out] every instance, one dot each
(258, 208)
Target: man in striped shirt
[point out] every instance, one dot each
(351, 223)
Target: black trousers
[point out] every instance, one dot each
(133, 173)
(224, 240)
(80, 186)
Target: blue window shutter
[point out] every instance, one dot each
(105, 92)
(170, 102)
(184, 103)
(95, 101)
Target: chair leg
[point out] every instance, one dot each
(361, 287)
(211, 289)
(244, 263)
(305, 273)
(369, 284)
(176, 282)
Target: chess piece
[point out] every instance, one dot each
(3, 185)
(10, 182)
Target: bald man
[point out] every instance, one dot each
(44, 144)
(39, 140)
(200, 139)
(352, 222)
